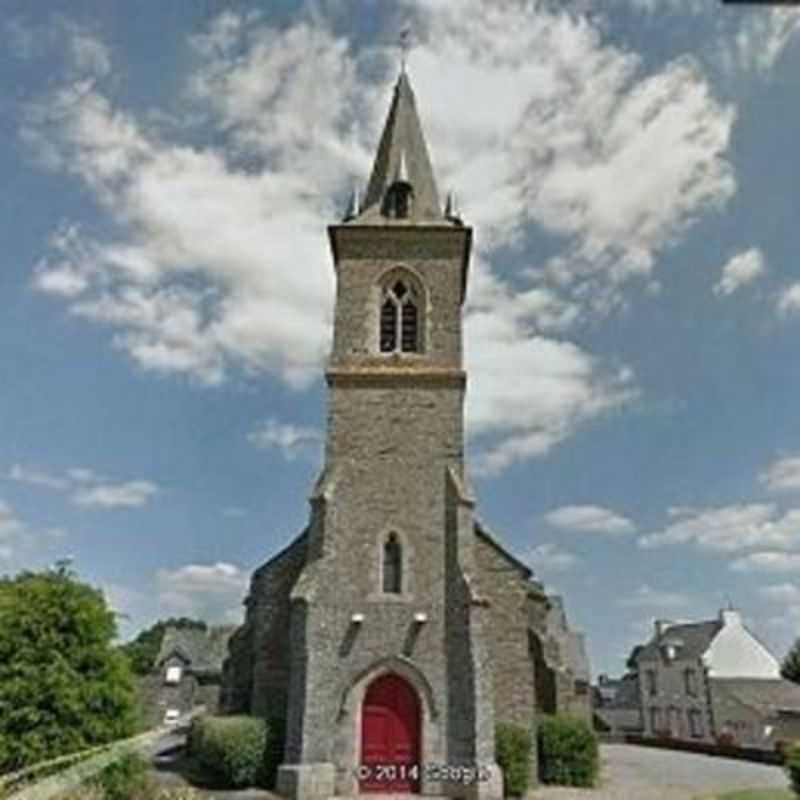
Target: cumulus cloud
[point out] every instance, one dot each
(291, 440)
(783, 475)
(789, 300)
(589, 519)
(131, 494)
(729, 529)
(549, 557)
(741, 269)
(220, 260)
(212, 592)
(767, 561)
(760, 40)
(647, 597)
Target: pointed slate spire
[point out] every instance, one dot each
(402, 149)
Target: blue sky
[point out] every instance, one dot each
(631, 171)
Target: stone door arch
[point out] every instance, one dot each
(390, 736)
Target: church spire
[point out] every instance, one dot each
(402, 151)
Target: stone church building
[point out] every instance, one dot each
(395, 632)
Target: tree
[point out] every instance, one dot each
(790, 668)
(143, 650)
(63, 685)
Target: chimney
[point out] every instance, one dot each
(729, 616)
(661, 626)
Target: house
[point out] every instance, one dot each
(396, 630)
(616, 706)
(187, 672)
(714, 681)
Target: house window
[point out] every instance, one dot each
(696, 723)
(392, 566)
(173, 675)
(652, 682)
(690, 682)
(399, 318)
(655, 720)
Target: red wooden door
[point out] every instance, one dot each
(390, 733)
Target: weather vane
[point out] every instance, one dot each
(404, 43)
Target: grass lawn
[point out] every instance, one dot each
(751, 794)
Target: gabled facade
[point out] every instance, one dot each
(395, 632)
(713, 681)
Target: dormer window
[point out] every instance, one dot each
(399, 318)
(173, 676)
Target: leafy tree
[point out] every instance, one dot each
(790, 668)
(63, 685)
(143, 650)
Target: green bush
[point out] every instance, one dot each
(513, 753)
(232, 748)
(567, 752)
(792, 766)
(126, 779)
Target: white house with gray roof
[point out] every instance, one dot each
(714, 681)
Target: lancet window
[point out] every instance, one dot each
(400, 317)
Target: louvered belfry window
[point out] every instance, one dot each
(399, 325)
(392, 566)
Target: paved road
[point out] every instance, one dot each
(643, 773)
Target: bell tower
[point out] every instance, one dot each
(385, 598)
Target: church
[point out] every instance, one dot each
(395, 632)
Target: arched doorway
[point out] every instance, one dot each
(390, 736)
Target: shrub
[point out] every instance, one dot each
(792, 766)
(513, 752)
(567, 752)
(126, 779)
(233, 748)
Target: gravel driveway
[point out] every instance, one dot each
(644, 773)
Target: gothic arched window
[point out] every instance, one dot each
(392, 565)
(399, 318)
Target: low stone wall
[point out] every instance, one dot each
(710, 749)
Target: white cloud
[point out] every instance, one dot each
(789, 300)
(741, 269)
(647, 597)
(132, 494)
(787, 593)
(89, 54)
(783, 475)
(767, 561)
(760, 40)
(549, 557)
(589, 519)
(729, 529)
(558, 129)
(212, 592)
(291, 440)
(36, 477)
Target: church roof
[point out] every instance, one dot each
(403, 156)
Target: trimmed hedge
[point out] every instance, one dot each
(792, 766)
(513, 753)
(239, 750)
(568, 752)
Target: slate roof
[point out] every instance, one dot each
(203, 651)
(693, 637)
(402, 153)
(766, 695)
